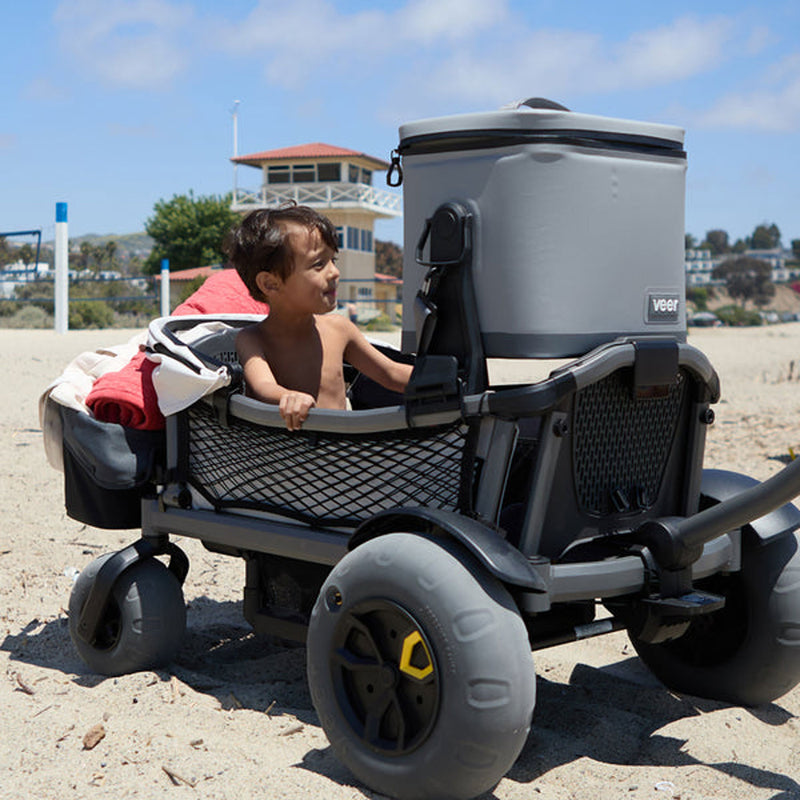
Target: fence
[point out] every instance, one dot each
(93, 301)
(140, 295)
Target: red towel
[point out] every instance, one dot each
(127, 396)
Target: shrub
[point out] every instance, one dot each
(142, 308)
(90, 314)
(379, 323)
(132, 319)
(738, 317)
(699, 296)
(28, 316)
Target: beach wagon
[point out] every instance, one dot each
(424, 545)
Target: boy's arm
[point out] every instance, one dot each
(374, 364)
(261, 383)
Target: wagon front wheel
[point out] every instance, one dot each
(420, 669)
(143, 624)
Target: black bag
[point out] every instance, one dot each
(108, 468)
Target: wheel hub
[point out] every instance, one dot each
(389, 676)
(385, 677)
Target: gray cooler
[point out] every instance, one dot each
(577, 224)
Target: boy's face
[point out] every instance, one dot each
(311, 286)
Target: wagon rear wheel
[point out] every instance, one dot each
(749, 651)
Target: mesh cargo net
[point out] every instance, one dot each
(621, 445)
(324, 478)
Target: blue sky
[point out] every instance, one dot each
(111, 105)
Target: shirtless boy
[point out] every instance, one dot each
(293, 357)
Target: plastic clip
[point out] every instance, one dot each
(394, 177)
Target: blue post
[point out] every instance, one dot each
(164, 287)
(61, 284)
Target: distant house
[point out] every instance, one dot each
(700, 265)
(776, 258)
(12, 275)
(339, 183)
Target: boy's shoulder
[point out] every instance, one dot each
(254, 330)
(334, 322)
(337, 328)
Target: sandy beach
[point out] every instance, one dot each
(233, 719)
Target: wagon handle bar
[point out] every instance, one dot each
(742, 508)
(675, 542)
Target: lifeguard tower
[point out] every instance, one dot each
(339, 183)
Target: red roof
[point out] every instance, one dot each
(381, 278)
(188, 274)
(313, 150)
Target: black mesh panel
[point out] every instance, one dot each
(622, 444)
(323, 478)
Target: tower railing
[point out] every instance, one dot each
(320, 195)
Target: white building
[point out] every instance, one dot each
(12, 275)
(776, 258)
(338, 183)
(700, 264)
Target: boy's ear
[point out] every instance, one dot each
(267, 282)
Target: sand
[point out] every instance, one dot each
(232, 718)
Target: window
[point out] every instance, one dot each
(357, 239)
(303, 173)
(358, 174)
(329, 172)
(277, 174)
(340, 236)
(365, 291)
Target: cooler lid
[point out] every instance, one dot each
(535, 121)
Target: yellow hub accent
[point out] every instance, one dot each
(409, 643)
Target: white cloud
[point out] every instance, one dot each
(429, 55)
(306, 37)
(558, 63)
(125, 43)
(293, 40)
(687, 47)
(774, 106)
(448, 20)
(547, 63)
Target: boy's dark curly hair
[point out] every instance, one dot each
(261, 242)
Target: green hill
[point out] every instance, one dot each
(128, 244)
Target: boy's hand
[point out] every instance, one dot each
(294, 408)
